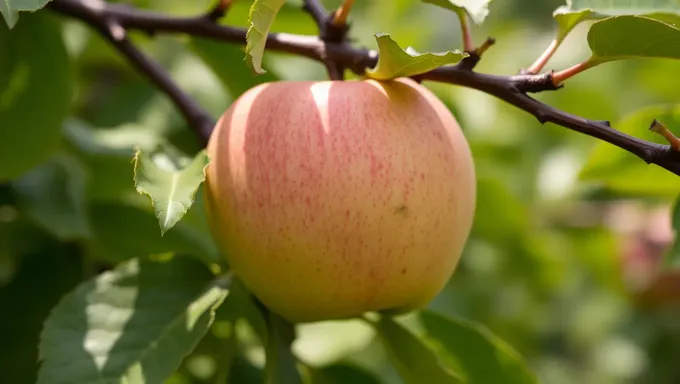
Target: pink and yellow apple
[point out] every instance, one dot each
(331, 199)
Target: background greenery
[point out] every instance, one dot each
(567, 235)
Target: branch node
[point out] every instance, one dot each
(331, 32)
(661, 130)
(341, 14)
(535, 83)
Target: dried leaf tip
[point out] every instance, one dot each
(661, 129)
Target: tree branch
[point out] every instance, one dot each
(511, 89)
(317, 11)
(196, 116)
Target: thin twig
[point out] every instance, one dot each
(511, 89)
(542, 60)
(565, 74)
(468, 44)
(340, 16)
(317, 11)
(661, 130)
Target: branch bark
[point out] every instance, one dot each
(511, 89)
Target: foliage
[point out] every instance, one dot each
(108, 271)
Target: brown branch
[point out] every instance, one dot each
(317, 11)
(511, 89)
(110, 27)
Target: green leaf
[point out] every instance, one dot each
(134, 324)
(281, 364)
(622, 172)
(10, 9)
(476, 9)
(395, 62)
(170, 188)
(625, 37)
(415, 361)
(341, 373)
(576, 11)
(45, 272)
(223, 59)
(123, 231)
(241, 304)
(53, 195)
(261, 18)
(33, 101)
(480, 356)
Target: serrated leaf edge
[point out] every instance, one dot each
(164, 228)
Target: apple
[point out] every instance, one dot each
(335, 198)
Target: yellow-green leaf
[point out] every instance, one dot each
(576, 11)
(262, 15)
(396, 62)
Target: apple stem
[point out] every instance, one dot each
(661, 130)
(340, 16)
(565, 74)
(542, 60)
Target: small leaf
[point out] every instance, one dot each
(33, 101)
(415, 361)
(395, 62)
(261, 18)
(625, 37)
(621, 172)
(479, 355)
(342, 373)
(476, 9)
(171, 191)
(576, 11)
(281, 364)
(10, 9)
(134, 324)
(53, 195)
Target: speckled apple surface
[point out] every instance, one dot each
(331, 199)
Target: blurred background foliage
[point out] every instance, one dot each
(562, 262)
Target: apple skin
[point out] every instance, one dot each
(335, 198)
